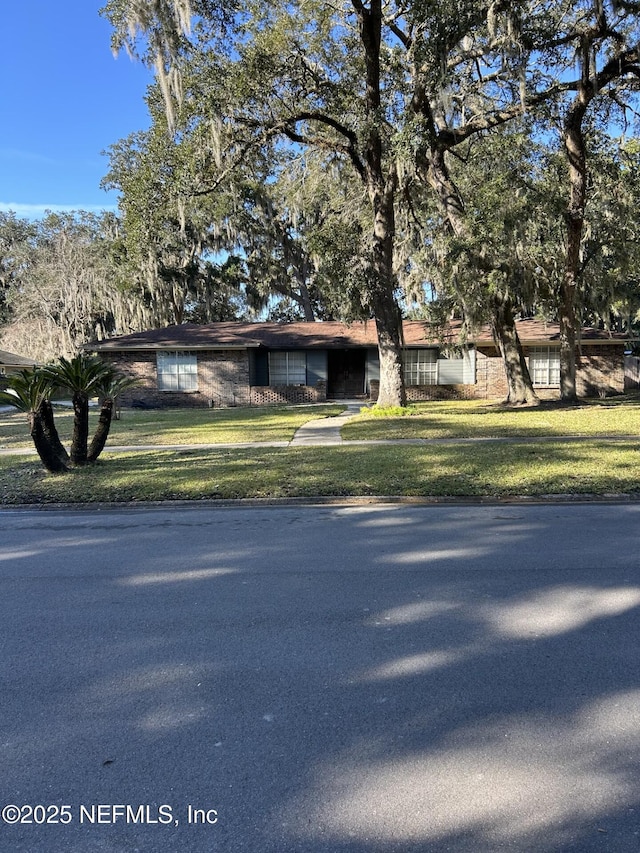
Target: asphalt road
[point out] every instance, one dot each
(316, 679)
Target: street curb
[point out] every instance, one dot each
(336, 500)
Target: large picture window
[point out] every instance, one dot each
(429, 367)
(458, 368)
(287, 368)
(177, 371)
(420, 366)
(544, 366)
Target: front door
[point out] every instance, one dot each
(346, 373)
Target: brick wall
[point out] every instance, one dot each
(419, 393)
(482, 375)
(424, 393)
(600, 372)
(223, 375)
(223, 380)
(269, 395)
(491, 381)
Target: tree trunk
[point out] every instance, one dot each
(576, 152)
(575, 149)
(388, 326)
(437, 175)
(102, 430)
(177, 301)
(302, 276)
(520, 387)
(48, 456)
(78, 454)
(505, 334)
(568, 341)
(385, 308)
(381, 181)
(50, 432)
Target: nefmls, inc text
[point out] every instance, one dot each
(144, 814)
(101, 814)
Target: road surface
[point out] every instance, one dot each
(320, 679)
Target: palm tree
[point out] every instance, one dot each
(30, 392)
(83, 376)
(112, 385)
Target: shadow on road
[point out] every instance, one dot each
(329, 680)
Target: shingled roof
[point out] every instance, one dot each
(10, 359)
(325, 335)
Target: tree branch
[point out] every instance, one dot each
(288, 128)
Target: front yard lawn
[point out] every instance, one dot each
(594, 467)
(590, 465)
(179, 426)
(473, 419)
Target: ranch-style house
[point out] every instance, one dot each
(239, 364)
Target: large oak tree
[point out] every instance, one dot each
(352, 79)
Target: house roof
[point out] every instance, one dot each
(327, 335)
(10, 359)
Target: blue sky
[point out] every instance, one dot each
(64, 99)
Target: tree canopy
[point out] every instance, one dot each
(392, 91)
(364, 159)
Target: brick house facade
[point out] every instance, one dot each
(240, 364)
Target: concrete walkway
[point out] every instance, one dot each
(325, 430)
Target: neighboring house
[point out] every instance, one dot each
(227, 364)
(12, 363)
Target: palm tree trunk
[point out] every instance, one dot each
(50, 432)
(48, 456)
(80, 437)
(102, 431)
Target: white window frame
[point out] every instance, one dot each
(177, 370)
(420, 367)
(288, 367)
(544, 366)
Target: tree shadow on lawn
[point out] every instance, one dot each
(485, 419)
(357, 680)
(478, 470)
(199, 426)
(475, 471)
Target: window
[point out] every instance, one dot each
(287, 368)
(177, 371)
(420, 366)
(544, 365)
(458, 369)
(429, 367)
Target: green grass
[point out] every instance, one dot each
(491, 470)
(589, 465)
(471, 419)
(180, 426)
